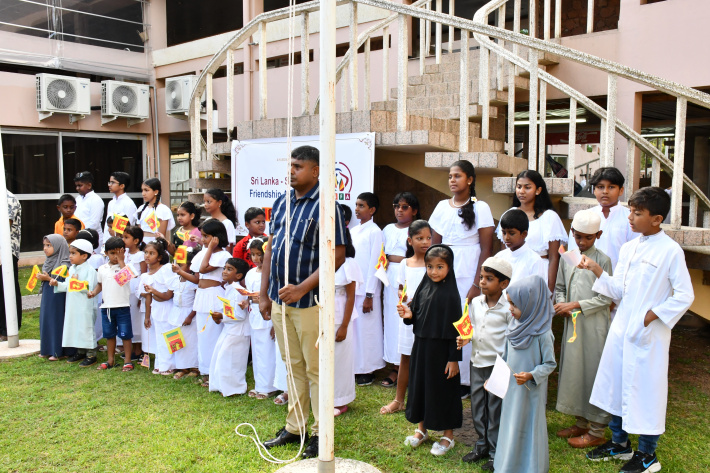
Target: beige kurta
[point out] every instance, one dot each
(579, 360)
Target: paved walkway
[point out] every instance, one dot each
(31, 302)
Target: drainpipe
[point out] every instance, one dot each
(156, 132)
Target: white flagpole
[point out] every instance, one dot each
(8, 275)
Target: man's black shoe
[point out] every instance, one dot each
(488, 466)
(311, 450)
(76, 357)
(474, 456)
(283, 437)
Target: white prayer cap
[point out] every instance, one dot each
(500, 265)
(586, 221)
(83, 245)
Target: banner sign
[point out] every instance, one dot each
(260, 175)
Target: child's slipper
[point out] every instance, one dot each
(342, 410)
(388, 383)
(387, 410)
(180, 375)
(52, 358)
(42, 356)
(105, 366)
(414, 442)
(156, 371)
(167, 373)
(127, 367)
(281, 399)
(205, 384)
(193, 374)
(438, 449)
(253, 393)
(262, 396)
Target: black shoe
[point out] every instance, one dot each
(474, 456)
(311, 450)
(364, 379)
(611, 451)
(488, 466)
(76, 357)
(283, 437)
(642, 463)
(465, 392)
(88, 362)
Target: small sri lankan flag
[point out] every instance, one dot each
(382, 259)
(60, 271)
(174, 340)
(463, 325)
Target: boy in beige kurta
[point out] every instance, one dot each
(580, 355)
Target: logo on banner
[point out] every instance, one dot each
(343, 181)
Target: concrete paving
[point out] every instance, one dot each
(342, 465)
(26, 348)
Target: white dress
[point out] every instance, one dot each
(632, 379)
(137, 313)
(163, 280)
(183, 300)
(396, 245)
(367, 330)
(231, 230)
(148, 339)
(464, 242)
(228, 366)
(344, 386)
(263, 354)
(411, 277)
(206, 301)
(162, 212)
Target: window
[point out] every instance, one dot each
(25, 155)
(188, 20)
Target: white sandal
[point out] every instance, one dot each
(438, 449)
(412, 441)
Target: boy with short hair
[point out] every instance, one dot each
(72, 226)
(120, 203)
(608, 185)
(115, 309)
(255, 222)
(490, 316)
(66, 206)
(652, 281)
(586, 325)
(525, 262)
(89, 206)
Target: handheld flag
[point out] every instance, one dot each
(404, 293)
(152, 221)
(246, 293)
(574, 325)
(119, 223)
(382, 259)
(60, 271)
(32, 281)
(174, 340)
(77, 286)
(227, 309)
(181, 254)
(145, 362)
(124, 275)
(184, 236)
(381, 267)
(463, 325)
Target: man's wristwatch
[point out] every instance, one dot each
(369, 295)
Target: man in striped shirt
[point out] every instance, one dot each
(301, 289)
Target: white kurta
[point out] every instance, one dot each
(123, 205)
(228, 366)
(632, 380)
(263, 353)
(80, 312)
(616, 231)
(546, 228)
(395, 244)
(367, 330)
(525, 262)
(344, 384)
(411, 277)
(183, 299)
(464, 242)
(90, 210)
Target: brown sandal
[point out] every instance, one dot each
(387, 410)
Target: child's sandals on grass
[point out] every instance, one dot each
(127, 367)
(281, 399)
(105, 366)
(438, 449)
(413, 441)
(388, 410)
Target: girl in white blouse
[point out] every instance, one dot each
(546, 231)
(151, 191)
(218, 205)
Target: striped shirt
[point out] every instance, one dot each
(303, 237)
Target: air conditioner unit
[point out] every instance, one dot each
(62, 94)
(177, 95)
(123, 99)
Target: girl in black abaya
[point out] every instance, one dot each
(434, 400)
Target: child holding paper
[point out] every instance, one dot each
(514, 226)
(490, 317)
(228, 366)
(79, 314)
(255, 221)
(115, 309)
(51, 311)
(529, 352)
(434, 385)
(182, 315)
(586, 314)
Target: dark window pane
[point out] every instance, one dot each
(31, 163)
(38, 217)
(188, 20)
(101, 157)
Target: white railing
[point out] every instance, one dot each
(506, 45)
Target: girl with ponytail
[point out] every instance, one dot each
(466, 225)
(151, 190)
(218, 205)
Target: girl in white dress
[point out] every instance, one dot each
(228, 366)
(406, 210)
(411, 271)
(155, 261)
(161, 305)
(133, 239)
(466, 225)
(209, 263)
(152, 207)
(546, 231)
(263, 352)
(182, 315)
(218, 206)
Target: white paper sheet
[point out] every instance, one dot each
(498, 383)
(572, 257)
(381, 274)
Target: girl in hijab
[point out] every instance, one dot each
(434, 400)
(529, 352)
(51, 311)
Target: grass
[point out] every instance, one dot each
(58, 417)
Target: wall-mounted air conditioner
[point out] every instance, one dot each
(177, 95)
(124, 99)
(62, 94)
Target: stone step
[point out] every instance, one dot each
(475, 113)
(423, 141)
(224, 184)
(485, 163)
(555, 186)
(521, 83)
(571, 205)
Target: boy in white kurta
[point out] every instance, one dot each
(653, 284)
(514, 226)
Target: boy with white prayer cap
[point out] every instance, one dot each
(587, 322)
(490, 316)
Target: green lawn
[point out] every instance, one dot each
(58, 417)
